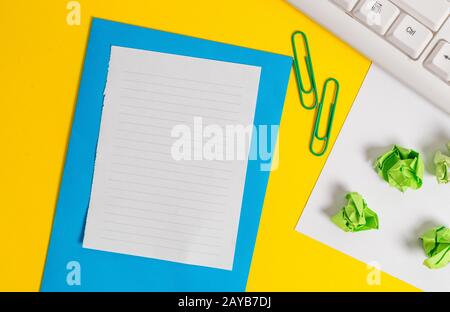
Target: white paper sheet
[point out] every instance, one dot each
(384, 113)
(143, 201)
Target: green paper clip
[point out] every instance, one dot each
(309, 68)
(313, 89)
(326, 137)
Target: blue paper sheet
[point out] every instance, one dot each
(105, 271)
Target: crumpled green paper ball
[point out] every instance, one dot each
(442, 166)
(355, 216)
(402, 168)
(436, 243)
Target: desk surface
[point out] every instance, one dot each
(41, 63)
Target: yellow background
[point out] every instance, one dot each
(41, 59)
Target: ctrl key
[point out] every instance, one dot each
(410, 36)
(439, 60)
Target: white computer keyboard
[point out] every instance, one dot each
(408, 38)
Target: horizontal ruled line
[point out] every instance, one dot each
(162, 221)
(165, 204)
(158, 237)
(152, 117)
(179, 87)
(184, 79)
(168, 196)
(141, 150)
(165, 212)
(144, 125)
(142, 141)
(181, 96)
(144, 133)
(174, 162)
(178, 104)
(162, 229)
(167, 179)
(179, 113)
(165, 187)
(173, 171)
(148, 244)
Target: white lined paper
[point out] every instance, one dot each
(145, 203)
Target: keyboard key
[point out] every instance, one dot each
(377, 14)
(439, 60)
(431, 13)
(410, 36)
(347, 5)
